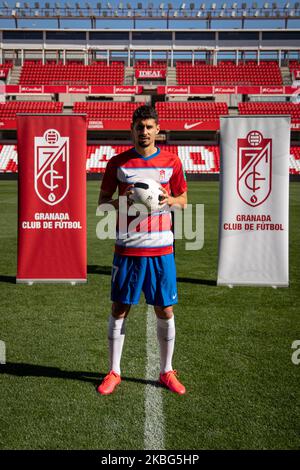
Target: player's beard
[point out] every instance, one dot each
(144, 143)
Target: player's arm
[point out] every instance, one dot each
(179, 201)
(106, 197)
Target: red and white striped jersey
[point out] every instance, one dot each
(152, 234)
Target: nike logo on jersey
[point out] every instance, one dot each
(130, 176)
(190, 126)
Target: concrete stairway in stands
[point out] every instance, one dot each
(171, 76)
(286, 76)
(14, 76)
(129, 76)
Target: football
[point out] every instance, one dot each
(148, 193)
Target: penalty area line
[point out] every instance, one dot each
(154, 416)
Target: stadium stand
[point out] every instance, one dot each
(9, 109)
(118, 110)
(269, 107)
(227, 73)
(99, 73)
(196, 159)
(178, 110)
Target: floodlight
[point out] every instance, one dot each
(36, 13)
(292, 13)
(233, 13)
(234, 6)
(161, 6)
(224, 6)
(287, 5)
(5, 4)
(266, 6)
(18, 5)
(175, 14)
(244, 13)
(182, 6)
(203, 6)
(13, 12)
(120, 6)
(129, 13)
(256, 13)
(199, 13)
(221, 14)
(109, 6)
(213, 7)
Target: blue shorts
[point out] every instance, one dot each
(154, 275)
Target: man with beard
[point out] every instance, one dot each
(144, 258)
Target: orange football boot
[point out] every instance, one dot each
(170, 380)
(109, 383)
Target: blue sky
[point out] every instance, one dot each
(85, 24)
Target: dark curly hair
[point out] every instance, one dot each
(144, 112)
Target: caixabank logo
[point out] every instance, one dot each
(51, 167)
(254, 168)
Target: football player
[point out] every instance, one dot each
(144, 259)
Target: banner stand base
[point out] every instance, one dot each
(30, 282)
(247, 284)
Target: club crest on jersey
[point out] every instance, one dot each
(162, 175)
(51, 167)
(254, 168)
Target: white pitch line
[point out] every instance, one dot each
(154, 421)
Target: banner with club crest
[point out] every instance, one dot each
(254, 201)
(51, 198)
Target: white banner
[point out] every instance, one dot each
(254, 201)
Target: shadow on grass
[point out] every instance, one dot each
(95, 269)
(8, 279)
(20, 369)
(106, 270)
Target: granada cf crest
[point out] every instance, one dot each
(254, 168)
(51, 167)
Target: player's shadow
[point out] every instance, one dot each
(8, 279)
(20, 369)
(106, 270)
(95, 269)
(191, 280)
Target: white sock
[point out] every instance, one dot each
(166, 339)
(116, 335)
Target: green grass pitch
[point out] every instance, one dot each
(233, 351)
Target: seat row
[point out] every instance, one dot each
(194, 158)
